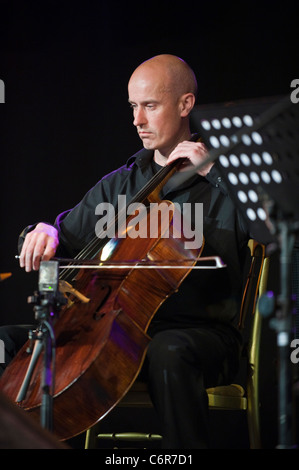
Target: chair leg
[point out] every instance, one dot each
(253, 418)
(91, 438)
(253, 399)
(253, 411)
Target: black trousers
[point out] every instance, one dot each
(179, 366)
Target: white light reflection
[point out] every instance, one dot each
(243, 178)
(224, 140)
(216, 124)
(254, 177)
(252, 195)
(245, 159)
(256, 159)
(246, 139)
(257, 138)
(226, 123)
(276, 176)
(267, 158)
(206, 125)
(242, 196)
(237, 121)
(248, 121)
(234, 160)
(232, 178)
(251, 214)
(224, 161)
(261, 213)
(214, 142)
(265, 177)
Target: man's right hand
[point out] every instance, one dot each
(39, 245)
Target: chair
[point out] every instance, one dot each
(229, 397)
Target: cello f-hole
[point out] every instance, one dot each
(98, 315)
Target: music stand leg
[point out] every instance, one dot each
(282, 324)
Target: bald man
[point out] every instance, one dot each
(162, 94)
(195, 343)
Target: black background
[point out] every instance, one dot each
(66, 121)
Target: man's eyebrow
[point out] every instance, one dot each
(144, 102)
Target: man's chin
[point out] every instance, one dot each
(148, 139)
(148, 144)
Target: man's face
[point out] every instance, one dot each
(156, 112)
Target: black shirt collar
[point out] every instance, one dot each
(144, 156)
(141, 158)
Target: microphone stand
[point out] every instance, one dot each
(45, 315)
(46, 306)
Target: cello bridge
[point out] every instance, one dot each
(66, 288)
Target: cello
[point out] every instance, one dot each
(101, 333)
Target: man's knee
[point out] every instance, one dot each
(169, 350)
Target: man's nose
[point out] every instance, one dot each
(139, 117)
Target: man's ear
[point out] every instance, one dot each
(187, 102)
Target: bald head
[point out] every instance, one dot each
(173, 74)
(162, 94)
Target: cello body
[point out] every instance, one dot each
(101, 342)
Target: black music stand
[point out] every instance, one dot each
(256, 144)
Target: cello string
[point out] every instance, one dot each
(145, 191)
(97, 243)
